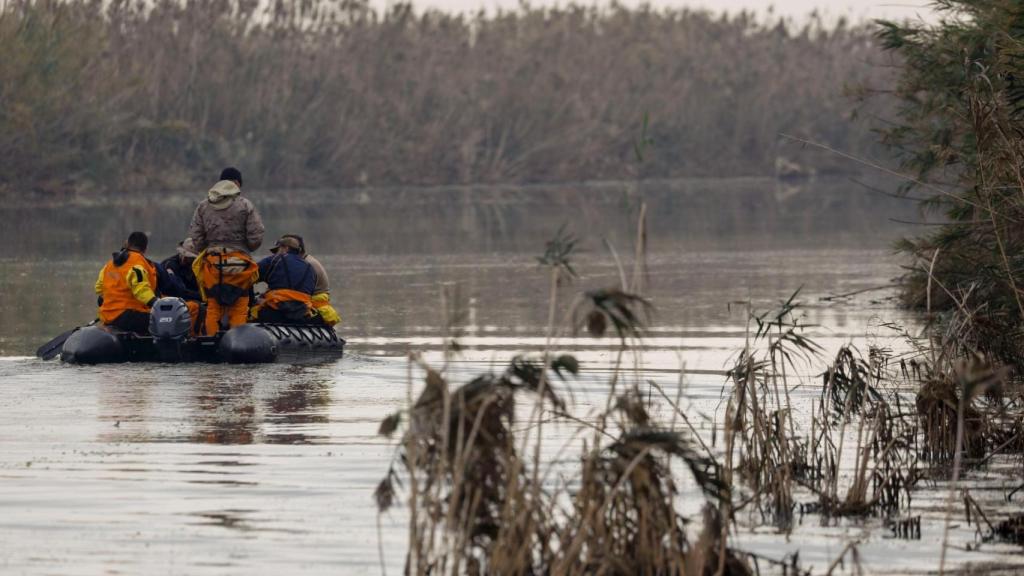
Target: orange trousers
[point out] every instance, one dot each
(237, 313)
(193, 311)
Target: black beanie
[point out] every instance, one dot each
(231, 173)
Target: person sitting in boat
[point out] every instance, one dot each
(290, 284)
(321, 300)
(225, 229)
(182, 280)
(127, 286)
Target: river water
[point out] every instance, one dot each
(195, 469)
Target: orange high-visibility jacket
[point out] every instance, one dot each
(128, 284)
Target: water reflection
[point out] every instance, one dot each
(125, 407)
(212, 404)
(225, 412)
(231, 519)
(387, 302)
(445, 220)
(297, 412)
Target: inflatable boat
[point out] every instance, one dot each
(169, 341)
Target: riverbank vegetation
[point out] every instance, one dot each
(961, 102)
(849, 436)
(880, 426)
(126, 96)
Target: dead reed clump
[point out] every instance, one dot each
(859, 456)
(975, 395)
(762, 444)
(860, 419)
(624, 519)
(847, 384)
(626, 313)
(476, 506)
(479, 498)
(468, 483)
(1011, 529)
(939, 408)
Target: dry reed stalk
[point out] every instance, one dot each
(851, 549)
(414, 564)
(952, 488)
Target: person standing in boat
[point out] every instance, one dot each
(127, 286)
(321, 300)
(225, 229)
(290, 284)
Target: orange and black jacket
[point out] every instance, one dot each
(127, 282)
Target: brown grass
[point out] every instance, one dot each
(141, 96)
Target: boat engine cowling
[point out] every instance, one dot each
(169, 323)
(169, 319)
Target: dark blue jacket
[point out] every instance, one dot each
(287, 270)
(177, 279)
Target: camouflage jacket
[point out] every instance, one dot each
(226, 219)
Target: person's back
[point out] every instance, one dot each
(225, 228)
(287, 271)
(127, 286)
(226, 219)
(321, 301)
(290, 284)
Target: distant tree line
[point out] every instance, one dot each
(126, 95)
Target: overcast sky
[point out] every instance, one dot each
(796, 9)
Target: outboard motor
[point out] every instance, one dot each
(170, 324)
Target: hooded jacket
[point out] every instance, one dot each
(226, 219)
(127, 282)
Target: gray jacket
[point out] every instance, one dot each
(226, 219)
(322, 283)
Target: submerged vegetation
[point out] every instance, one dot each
(134, 96)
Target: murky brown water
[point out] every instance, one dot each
(161, 469)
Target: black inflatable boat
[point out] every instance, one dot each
(169, 341)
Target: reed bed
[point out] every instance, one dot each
(957, 137)
(126, 96)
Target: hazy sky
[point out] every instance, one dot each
(797, 9)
